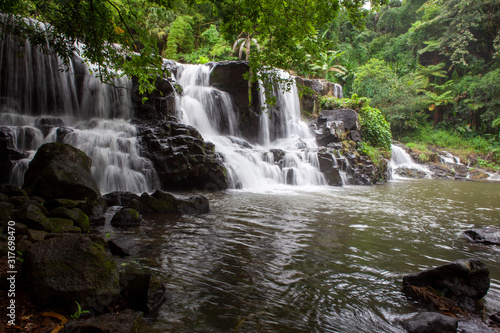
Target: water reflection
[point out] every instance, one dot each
(314, 260)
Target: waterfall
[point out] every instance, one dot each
(39, 95)
(400, 159)
(212, 112)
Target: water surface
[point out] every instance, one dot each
(317, 259)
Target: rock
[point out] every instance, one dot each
(69, 268)
(180, 157)
(330, 131)
(79, 218)
(495, 319)
(431, 322)
(126, 217)
(474, 325)
(60, 225)
(126, 321)
(142, 290)
(12, 191)
(34, 218)
(463, 282)
(311, 89)
(159, 104)
(46, 123)
(409, 172)
(349, 117)
(120, 246)
(476, 175)
(489, 235)
(330, 169)
(228, 77)
(36, 235)
(60, 171)
(9, 153)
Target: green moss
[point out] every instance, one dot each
(82, 220)
(60, 224)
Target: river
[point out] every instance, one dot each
(313, 259)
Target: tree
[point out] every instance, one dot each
(245, 45)
(180, 37)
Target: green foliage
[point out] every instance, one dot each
(78, 313)
(375, 129)
(180, 37)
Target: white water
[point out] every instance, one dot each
(206, 108)
(37, 85)
(401, 159)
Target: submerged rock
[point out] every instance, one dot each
(126, 217)
(431, 322)
(126, 321)
(461, 282)
(488, 236)
(60, 171)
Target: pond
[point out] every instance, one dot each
(314, 259)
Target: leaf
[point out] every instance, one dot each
(56, 315)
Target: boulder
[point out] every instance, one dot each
(348, 116)
(141, 289)
(60, 171)
(488, 236)
(126, 217)
(180, 157)
(330, 169)
(330, 131)
(461, 282)
(312, 88)
(33, 217)
(159, 104)
(228, 76)
(126, 321)
(79, 218)
(69, 268)
(431, 322)
(121, 246)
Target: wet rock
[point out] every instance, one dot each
(12, 191)
(69, 268)
(349, 117)
(9, 154)
(462, 282)
(228, 76)
(46, 124)
(494, 319)
(159, 104)
(311, 89)
(180, 157)
(126, 217)
(60, 171)
(476, 175)
(34, 218)
(474, 325)
(60, 225)
(409, 172)
(431, 322)
(126, 321)
(36, 235)
(330, 169)
(141, 290)
(330, 131)
(120, 246)
(489, 235)
(196, 204)
(79, 218)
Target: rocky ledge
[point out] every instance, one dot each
(64, 265)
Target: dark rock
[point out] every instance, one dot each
(60, 225)
(61, 133)
(34, 218)
(489, 235)
(330, 169)
(495, 319)
(126, 217)
(60, 171)
(69, 268)
(330, 131)
(228, 76)
(463, 282)
(79, 218)
(196, 204)
(311, 89)
(182, 161)
(121, 246)
(9, 153)
(126, 321)
(36, 235)
(159, 104)
(431, 322)
(474, 325)
(46, 123)
(355, 136)
(349, 117)
(142, 290)
(12, 191)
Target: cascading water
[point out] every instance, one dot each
(401, 159)
(251, 166)
(37, 99)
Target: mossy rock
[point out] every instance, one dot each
(34, 218)
(79, 218)
(60, 171)
(126, 321)
(126, 217)
(36, 235)
(69, 268)
(4, 215)
(60, 225)
(12, 191)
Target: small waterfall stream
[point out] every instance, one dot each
(401, 159)
(41, 103)
(251, 166)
